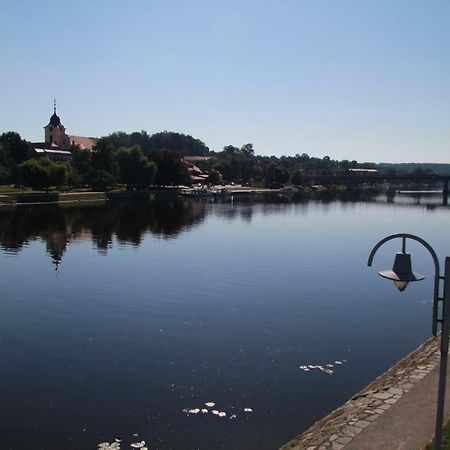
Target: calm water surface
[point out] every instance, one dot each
(156, 307)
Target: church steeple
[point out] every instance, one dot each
(54, 119)
(55, 132)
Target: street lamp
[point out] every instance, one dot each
(402, 274)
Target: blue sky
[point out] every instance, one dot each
(352, 79)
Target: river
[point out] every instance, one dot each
(122, 319)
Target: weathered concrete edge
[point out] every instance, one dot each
(340, 426)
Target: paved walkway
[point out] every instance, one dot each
(395, 412)
(409, 424)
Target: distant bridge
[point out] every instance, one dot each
(357, 178)
(360, 177)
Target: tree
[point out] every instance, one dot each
(231, 150)
(13, 151)
(103, 158)
(276, 175)
(247, 150)
(224, 167)
(183, 144)
(304, 157)
(280, 175)
(59, 174)
(172, 171)
(134, 167)
(297, 177)
(214, 177)
(100, 179)
(14, 147)
(81, 163)
(37, 173)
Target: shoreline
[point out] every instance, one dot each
(342, 425)
(36, 198)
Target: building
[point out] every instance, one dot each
(57, 143)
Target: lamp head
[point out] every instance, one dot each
(401, 273)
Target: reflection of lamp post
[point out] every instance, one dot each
(401, 274)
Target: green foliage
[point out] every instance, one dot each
(82, 166)
(214, 177)
(13, 151)
(141, 159)
(135, 168)
(101, 179)
(14, 148)
(59, 174)
(276, 176)
(237, 163)
(5, 175)
(43, 173)
(172, 171)
(184, 144)
(297, 177)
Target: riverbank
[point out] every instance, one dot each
(36, 197)
(396, 411)
(24, 198)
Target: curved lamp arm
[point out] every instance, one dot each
(405, 236)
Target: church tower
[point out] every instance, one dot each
(55, 132)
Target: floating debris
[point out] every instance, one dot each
(210, 404)
(215, 412)
(108, 446)
(104, 445)
(325, 369)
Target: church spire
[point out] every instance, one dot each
(54, 106)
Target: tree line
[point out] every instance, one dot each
(116, 159)
(139, 160)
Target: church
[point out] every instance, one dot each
(57, 143)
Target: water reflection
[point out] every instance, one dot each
(59, 226)
(223, 302)
(129, 221)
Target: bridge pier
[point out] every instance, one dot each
(445, 193)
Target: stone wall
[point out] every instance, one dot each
(343, 424)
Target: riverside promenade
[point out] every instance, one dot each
(395, 412)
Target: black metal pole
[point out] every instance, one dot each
(444, 357)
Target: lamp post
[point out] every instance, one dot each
(402, 274)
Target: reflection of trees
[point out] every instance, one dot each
(128, 221)
(58, 226)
